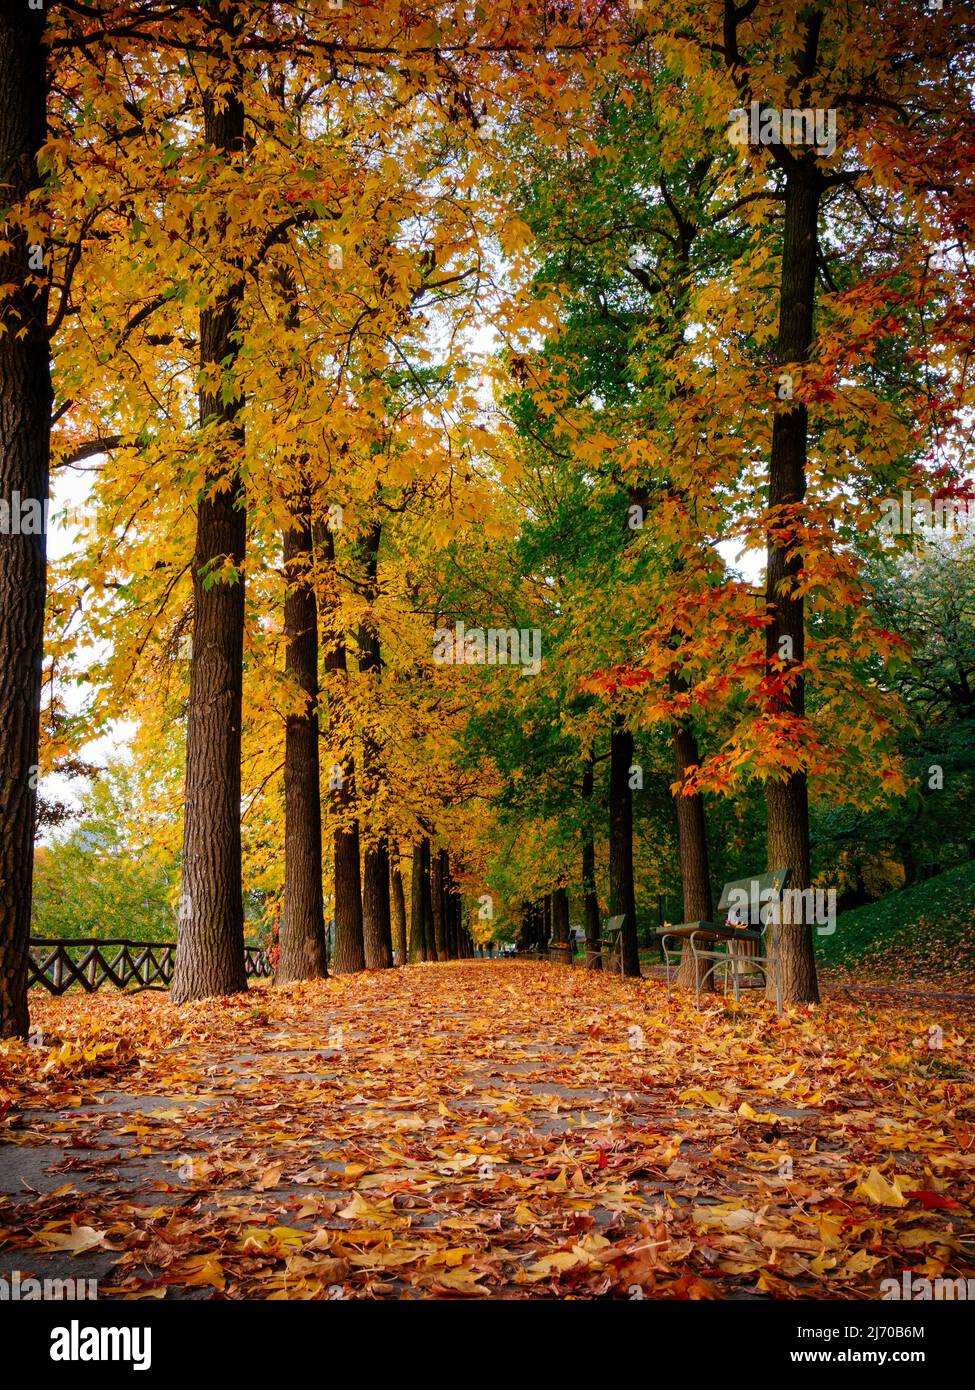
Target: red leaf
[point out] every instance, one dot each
(934, 1199)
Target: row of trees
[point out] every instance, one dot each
(368, 324)
(251, 240)
(755, 347)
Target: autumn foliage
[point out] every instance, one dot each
(456, 465)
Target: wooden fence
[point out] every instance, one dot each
(57, 965)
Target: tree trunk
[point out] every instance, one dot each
(429, 927)
(523, 940)
(25, 429)
(457, 920)
(909, 861)
(210, 947)
(420, 946)
(376, 925)
(560, 926)
(304, 952)
(450, 912)
(541, 927)
(787, 798)
(788, 836)
(695, 871)
(437, 894)
(399, 907)
(594, 959)
(416, 905)
(350, 953)
(622, 895)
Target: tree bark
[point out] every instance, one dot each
(560, 926)
(787, 798)
(909, 861)
(541, 927)
(25, 429)
(437, 895)
(376, 923)
(420, 948)
(450, 909)
(304, 952)
(399, 907)
(622, 893)
(695, 870)
(590, 897)
(429, 927)
(524, 938)
(456, 920)
(416, 952)
(210, 946)
(350, 953)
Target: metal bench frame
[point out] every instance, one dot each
(704, 935)
(611, 940)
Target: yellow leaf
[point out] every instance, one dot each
(876, 1188)
(271, 1177)
(860, 1263)
(746, 1112)
(205, 1271)
(79, 1238)
(358, 1209)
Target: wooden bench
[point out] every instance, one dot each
(610, 942)
(753, 897)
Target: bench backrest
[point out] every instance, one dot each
(615, 924)
(757, 891)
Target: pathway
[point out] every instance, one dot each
(502, 1129)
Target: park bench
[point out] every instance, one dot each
(724, 944)
(610, 943)
(563, 951)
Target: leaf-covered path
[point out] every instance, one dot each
(485, 1129)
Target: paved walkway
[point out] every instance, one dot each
(501, 1129)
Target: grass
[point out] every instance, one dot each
(922, 933)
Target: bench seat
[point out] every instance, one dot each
(759, 892)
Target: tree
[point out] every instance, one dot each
(303, 946)
(25, 427)
(398, 907)
(593, 925)
(210, 950)
(102, 878)
(350, 951)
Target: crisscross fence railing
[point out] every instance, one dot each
(57, 965)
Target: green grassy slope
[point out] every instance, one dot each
(925, 932)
